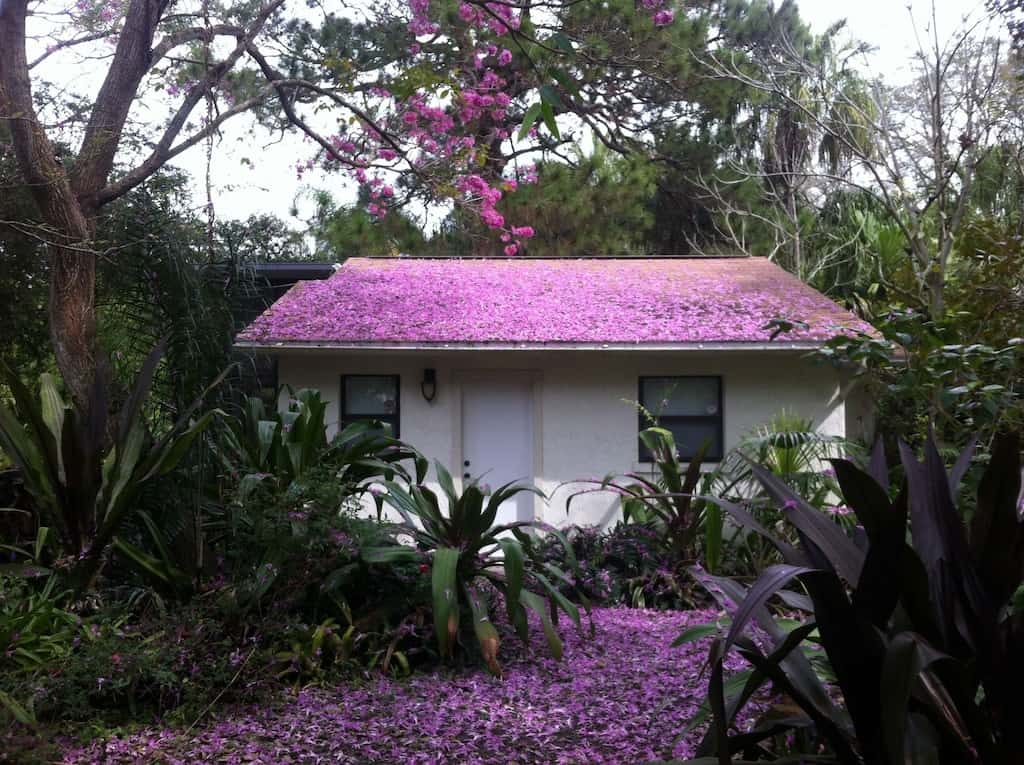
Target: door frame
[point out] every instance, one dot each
(533, 380)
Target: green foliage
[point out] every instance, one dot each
(82, 485)
(165, 283)
(985, 293)
(281, 444)
(665, 502)
(790, 447)
(126, 667)
(469, 555)
(597, 205)
(35, 630)
(348, 232)
(313, 652)
(627, 564)
(913, 625)
(857, 253)
(923, 376)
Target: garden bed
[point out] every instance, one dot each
(621, 695)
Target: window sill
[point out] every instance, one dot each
(651, 467)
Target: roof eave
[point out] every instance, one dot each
(398, 346)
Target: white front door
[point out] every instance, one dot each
(497, 439)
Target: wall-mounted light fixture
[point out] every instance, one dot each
(428, 386)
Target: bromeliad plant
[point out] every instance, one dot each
(85, 470)
(472, 557)
(286, 446)
(791, 448)
(280, 444)
(666, 502)
(914, 622)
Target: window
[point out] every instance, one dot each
(690, 407)
(370, 397)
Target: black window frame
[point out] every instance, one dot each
(394, 420)
(665, 421)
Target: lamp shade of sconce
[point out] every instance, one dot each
(428, 387)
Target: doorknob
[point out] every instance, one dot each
(465, 463)
(466, 476)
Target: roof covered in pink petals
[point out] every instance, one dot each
(541, 302)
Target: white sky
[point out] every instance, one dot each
(272, 187)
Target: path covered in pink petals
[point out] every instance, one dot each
(621, 695)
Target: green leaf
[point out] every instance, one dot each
(548, 113)
(515, 569)
(174, 451)
(445, 597)
(444, 480)
(159, 570)
(529, 119)
(390, 554)
(52, 410)
(42, 536)
(537, 604)
(549, 95)
(486, 634)
(17, 710)
(693, 634)
(558, 598)
(565, 80)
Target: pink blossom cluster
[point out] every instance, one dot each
(486, 197)
(421, 24)
(622, 694)
(552, 301)
(498, 18)
(443, 139)
(448, 142)
(662, 16)
(107, 11)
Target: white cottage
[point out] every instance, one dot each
(533, 369)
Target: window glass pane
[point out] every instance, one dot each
(681, 396)
(690, 436)
(371, 395)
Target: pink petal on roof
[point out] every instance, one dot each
(632, 301)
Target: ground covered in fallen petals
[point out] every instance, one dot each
(621, 695)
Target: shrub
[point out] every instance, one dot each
(83, 482)
(798, 455)
(625, 565)
(470, 558)
(125, 668)
(666, 502)
(915, 620)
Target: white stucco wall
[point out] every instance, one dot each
(584, 424)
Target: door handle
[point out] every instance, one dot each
(466, 476)
(465, 463)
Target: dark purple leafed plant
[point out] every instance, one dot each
(913, 617)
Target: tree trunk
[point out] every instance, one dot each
(68, 229)
(797, 243)
(934, 281)
(73, 319)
